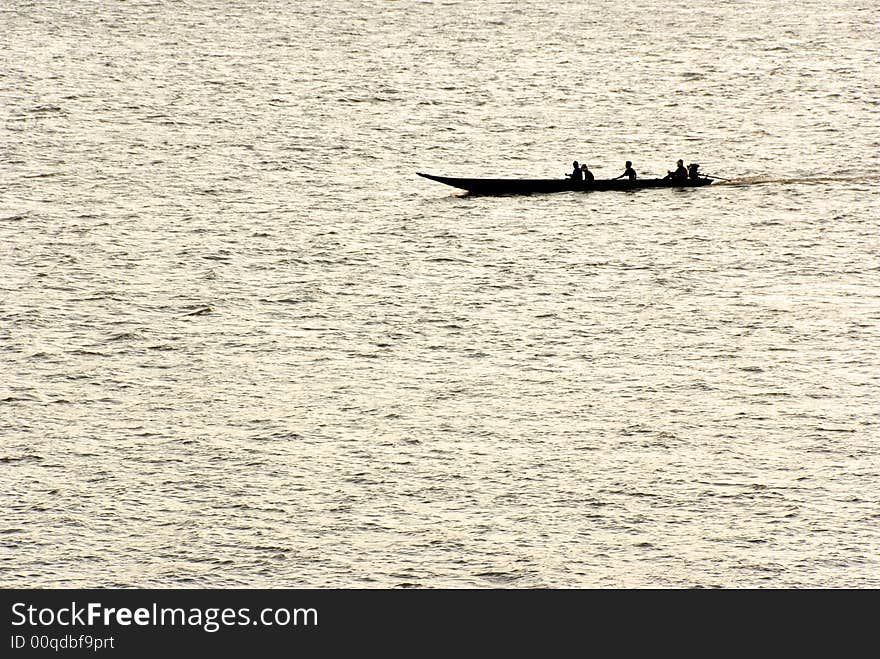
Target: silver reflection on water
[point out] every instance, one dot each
(244, 345)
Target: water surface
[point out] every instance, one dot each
(245, 346)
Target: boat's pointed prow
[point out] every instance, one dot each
(460, 183)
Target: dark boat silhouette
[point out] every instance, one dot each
(505, 186)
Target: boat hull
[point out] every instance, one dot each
(500, 186)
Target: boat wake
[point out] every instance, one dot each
(797, 180)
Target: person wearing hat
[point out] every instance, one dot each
(680, 174)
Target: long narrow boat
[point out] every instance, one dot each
(504, 186)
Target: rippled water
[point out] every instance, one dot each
(244, 345)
